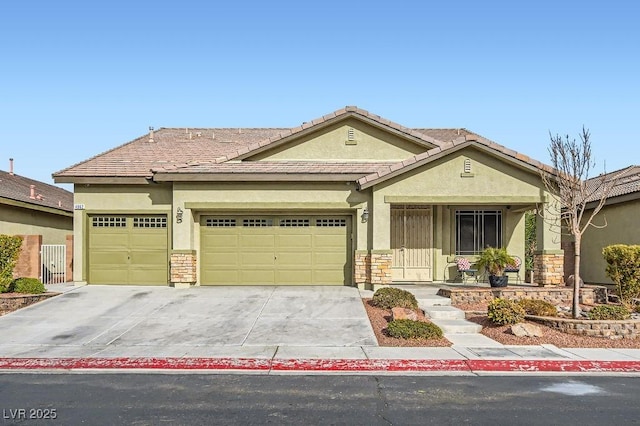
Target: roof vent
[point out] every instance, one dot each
(11, 166)
(351, 134)
(32, 194)
(213, 135)
(151, 134)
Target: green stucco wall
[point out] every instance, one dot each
(21, 221)
(331, 143)
(623, 227)
(492, 184)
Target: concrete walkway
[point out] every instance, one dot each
(252, 329)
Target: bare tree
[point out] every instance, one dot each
(573, 190)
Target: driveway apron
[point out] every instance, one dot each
(163, 321)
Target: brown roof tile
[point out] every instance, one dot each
(627, 182)
(18, 188)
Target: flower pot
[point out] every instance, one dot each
(498, 280)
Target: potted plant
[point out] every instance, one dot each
(494, 261)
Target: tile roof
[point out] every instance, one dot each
(627, 182)
(18, 188)
(205, 150)
(280, 167)
(169, 146)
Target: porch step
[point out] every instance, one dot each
(432, 300)
(443, 312)
(457, 326)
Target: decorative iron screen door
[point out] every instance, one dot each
(411, 243)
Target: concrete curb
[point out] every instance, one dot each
(320, 365)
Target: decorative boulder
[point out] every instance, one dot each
(403, 313)
(572, 279)
(526, 330)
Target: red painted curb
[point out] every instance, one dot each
(318, 365)
(556, 365)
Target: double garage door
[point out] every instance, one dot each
(282, 250)
(128, 249)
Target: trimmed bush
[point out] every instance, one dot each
(409, 329)
(540, 308)
(27, 286)
(623, 267)
(391, 297)
(10, 247)
(504, 311)
(609, 312)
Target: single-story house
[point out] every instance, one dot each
(621, 213)
(350, 198)
(41, 213)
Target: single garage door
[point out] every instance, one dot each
(268, 250)
(128, 249)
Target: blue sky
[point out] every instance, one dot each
(78, 78)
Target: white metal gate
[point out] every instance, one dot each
(53, 261)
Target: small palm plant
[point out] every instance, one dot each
(494, 261)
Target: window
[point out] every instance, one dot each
(257, 223)
(109, 222)
(331, 223)
(294, 223)
(477, 229)
(150, 222)
(220, 222)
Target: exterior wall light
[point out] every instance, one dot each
(365, 216)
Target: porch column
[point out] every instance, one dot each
(381, 255)
(183, 260)
(548, 260)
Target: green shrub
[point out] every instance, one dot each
(540, 308)
(623, 267)
(27, 286)
(503, 311)
(609, 312)
(409, 329)
(9, 251)
(391, 297)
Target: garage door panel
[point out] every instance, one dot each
(250, 241)
(293, 259)
(128, 249)
(294, 277)
(222, 259)
(109, 274)
(275, 250)
(295, 241)
(257, 276)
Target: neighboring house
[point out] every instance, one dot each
(41, 214)
(621, 213)
(30, 207)
(347, 199)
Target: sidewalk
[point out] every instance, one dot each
(455, 360)
(38, 348)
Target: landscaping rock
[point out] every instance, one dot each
(403, 313)
(526, 330)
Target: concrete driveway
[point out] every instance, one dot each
(115, 321)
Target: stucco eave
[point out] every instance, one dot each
(230, 206)
(102, 180)
(254, 177)
(479, 199)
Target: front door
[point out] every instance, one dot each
(411, 243)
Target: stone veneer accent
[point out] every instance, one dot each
(183, 268)
(11, 302)
(381, 268)
(589, 295)
(626, 329)
(362, 268)
(548, 268)
(372, 268)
